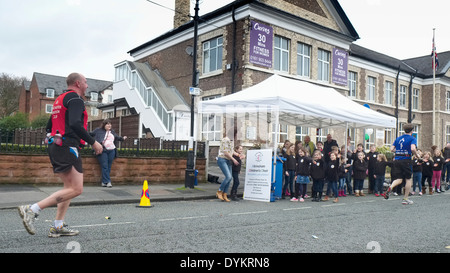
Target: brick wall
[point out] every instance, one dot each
(37, 169)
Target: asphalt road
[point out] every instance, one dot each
(354, 225)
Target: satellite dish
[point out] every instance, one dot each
(190, 51)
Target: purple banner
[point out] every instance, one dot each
(261, 43)
(340, 66)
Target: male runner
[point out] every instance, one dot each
(404, 147)
(67, 132)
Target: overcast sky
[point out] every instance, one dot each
(89, 36)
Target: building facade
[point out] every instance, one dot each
(37, 96)
(245, 42)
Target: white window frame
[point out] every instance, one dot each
(301, 132)
(371, 87)
(352, 84)
(402, 96)
(323, 65)
(94, 111)
(415, 98)
(281, 54)
(49, 92)
(303, 60)
(215, 50)
(388, 88)
(94, 96)
(213, 121)
(447, 101)
(48, 108)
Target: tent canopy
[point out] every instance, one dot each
(299, 103)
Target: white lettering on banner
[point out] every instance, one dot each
(258, 27)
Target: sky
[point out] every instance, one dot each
(59, 37)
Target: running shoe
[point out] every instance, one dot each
(28, 218)
(407, 202)
(387, 193)
(62, 231)
(293, 199)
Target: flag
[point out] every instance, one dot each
(434, 55)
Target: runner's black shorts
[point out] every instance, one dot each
(64, 157)
(402, 169)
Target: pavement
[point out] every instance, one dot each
(13, 195)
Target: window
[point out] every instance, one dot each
(388, 137)
(281, 54)
(447, 104)
(94, 96)
(369, 138)
(415, 99)
(447, 133)
(211, 124)
(282, 135)
(323, 69)
(110, 98)
(212, 55)
(94, 111)
(352, 83)
(388, 93)
(402, 96)
(415, 131)
(48, 108)
(371, 88)
(303, 59)
(50, 92)
(300, 133)
(321, 135)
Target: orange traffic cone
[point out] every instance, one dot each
(145, 197)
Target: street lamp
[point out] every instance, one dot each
(190, 165)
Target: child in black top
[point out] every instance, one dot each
(236, 169)
(371, 158)
(437, 170)
(417, 172)
(380, 173)
(318, 175)
(289, 170)
(332, 175)
(359, 173)
(302, 174)
(427, 171)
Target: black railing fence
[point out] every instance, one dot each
(31, 141)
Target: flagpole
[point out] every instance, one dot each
(434, 90)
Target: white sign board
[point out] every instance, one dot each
(258, 175)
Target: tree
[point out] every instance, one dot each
(10, 87)
(40, 121)
(10, 123)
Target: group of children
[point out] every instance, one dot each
(428, 167)
(300, 167)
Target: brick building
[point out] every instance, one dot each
(303, 37)
(38, 95)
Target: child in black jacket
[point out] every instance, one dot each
(317, 175)
(302, 175)
(332, 175)
(359, 173)
(380, 173)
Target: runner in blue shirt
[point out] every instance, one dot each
(404, 147)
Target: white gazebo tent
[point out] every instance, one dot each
(299, 103)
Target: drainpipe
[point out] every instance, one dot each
(234, 63)
(396, 102)
(410, 118)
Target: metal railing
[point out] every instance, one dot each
(31, 141)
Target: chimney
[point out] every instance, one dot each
(182, 9)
